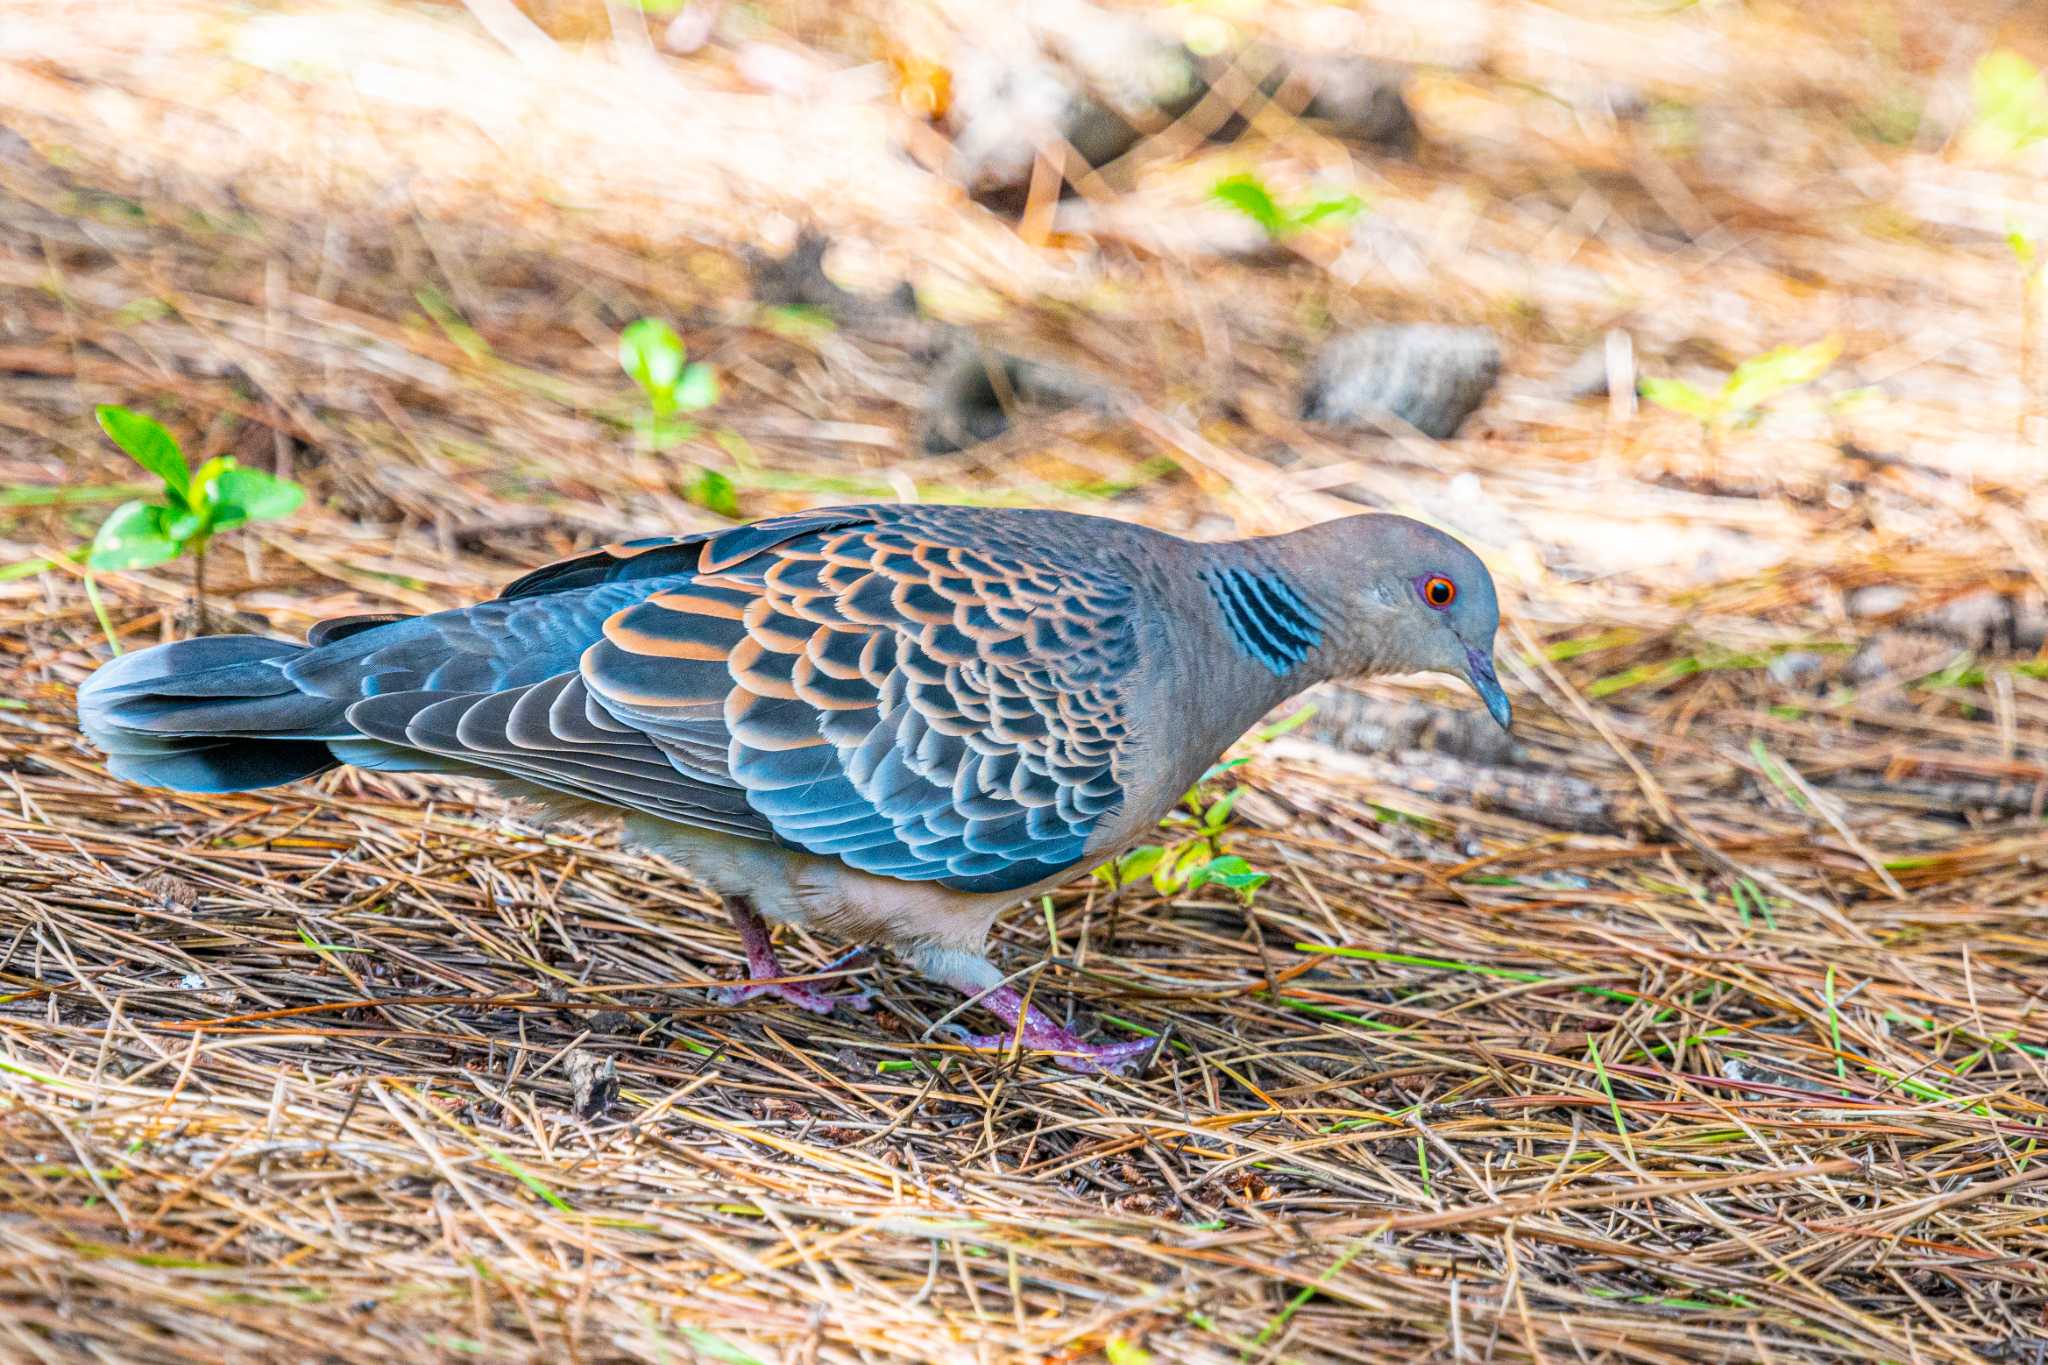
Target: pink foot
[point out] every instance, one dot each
(1041, 1034)
(762, 968)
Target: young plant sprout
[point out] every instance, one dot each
(2010, 99)
(1748, 388)
(1250, 196)
(654, 357)
(193, 508)
(1197, 854)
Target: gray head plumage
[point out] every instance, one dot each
(1388, 594)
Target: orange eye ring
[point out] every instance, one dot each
(1439, 591)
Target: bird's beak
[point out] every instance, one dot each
(1479, 672)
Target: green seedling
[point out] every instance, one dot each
(654, 357)
(1196, 853)
(1124, 1351)
(2010, 98)
(1751, 386)
(193, 508)
(1197, 856)
(1250, 196)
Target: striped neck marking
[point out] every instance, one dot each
(1268, 619)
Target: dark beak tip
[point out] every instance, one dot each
(1487, 684)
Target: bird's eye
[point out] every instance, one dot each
(1439, 591)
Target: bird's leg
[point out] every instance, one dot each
(763, 967)
(972, 976)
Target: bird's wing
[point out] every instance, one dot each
(914, 705)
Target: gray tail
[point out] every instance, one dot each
(216, 714)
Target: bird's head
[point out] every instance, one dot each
(1396, 596)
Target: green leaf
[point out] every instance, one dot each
(1293, 720)
(1761, 378)
(132, 538)
(1341, 208)
(1219, 812)
(1250, 197)
(2024, 247)
(1678, 396)
(1231, 871)
(2012, 103)
(698, 388)
(1215, 772)
(259, 496)
(1138, 863)
(1173, 873)
(652, 354)
(148, 444)
(1124, 1351)
(180, 524)
(713, 491)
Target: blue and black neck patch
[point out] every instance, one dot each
(1268, 619)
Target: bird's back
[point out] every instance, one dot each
(926, 693)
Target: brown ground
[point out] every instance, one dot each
(1705, 1024)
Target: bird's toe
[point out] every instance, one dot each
(792, 993)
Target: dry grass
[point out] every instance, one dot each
(1706, 1023)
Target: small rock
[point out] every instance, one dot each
(1358, 97)
(1800, 668)
(1059, 72)
(1427, 375)
(965, 405)
(1989, 620)
(691, 29)
(1878, 599)
(1984, 619)
(596, 1082)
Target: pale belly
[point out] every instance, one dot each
(824, 893)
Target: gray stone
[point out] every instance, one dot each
(1427, 375)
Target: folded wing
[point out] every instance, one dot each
(851, 683)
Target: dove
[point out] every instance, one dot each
(887, 723)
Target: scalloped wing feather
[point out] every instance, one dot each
(917, 708)
(907, 690)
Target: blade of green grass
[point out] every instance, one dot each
(1613, 1104)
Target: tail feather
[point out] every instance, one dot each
(215, 714)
